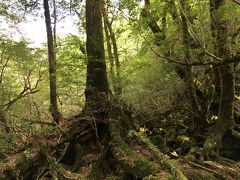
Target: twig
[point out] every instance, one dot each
(237, 1)
(233, 59)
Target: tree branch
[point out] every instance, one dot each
(237, 1)
(228, 60)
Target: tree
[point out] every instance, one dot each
(111, 41)
(224, 75)
(52, 63)
(97, 89)
(121, 137)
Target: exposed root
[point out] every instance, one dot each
(165, 162)
(55, 169)
(130, 160)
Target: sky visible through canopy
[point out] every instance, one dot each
(34, 29)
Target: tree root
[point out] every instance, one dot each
(236, 134)
(165, 162)
(56, 170)
(218, 175)
(99, 167)
(225, 171)
(130, 160)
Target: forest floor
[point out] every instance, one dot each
(39, 157)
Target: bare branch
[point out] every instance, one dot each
(27, 90)
(228, 60)
(21, 95)
(237, 1)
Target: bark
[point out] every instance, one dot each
(97, 89)
(109, 47)
(224, 76)
(117, 86)
(52, 62)
(55, 24)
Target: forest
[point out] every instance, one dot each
(146, 90)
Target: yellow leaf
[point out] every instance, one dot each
(174, 154)
(142, 130)
(214, 117)
(237, 97)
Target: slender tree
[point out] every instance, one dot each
(111, 38)
(52, 62)
(109, 49)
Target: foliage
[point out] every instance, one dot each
(160, 62)
(71, 73)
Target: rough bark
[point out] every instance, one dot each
(224, 76)
(52, 62)
(97, 89)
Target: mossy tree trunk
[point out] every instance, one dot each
(109, 47)
(224, 75)
(97, 89)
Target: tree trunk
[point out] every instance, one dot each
(224, 76)
(117, 84)
(55, 24)
(97, 89)
(52, 62)
(109, 48)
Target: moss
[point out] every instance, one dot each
(209, 144)
(201, 175)
(130, 160)
(196, 153)
(79, 153)
(55, 169)
(164, 161)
